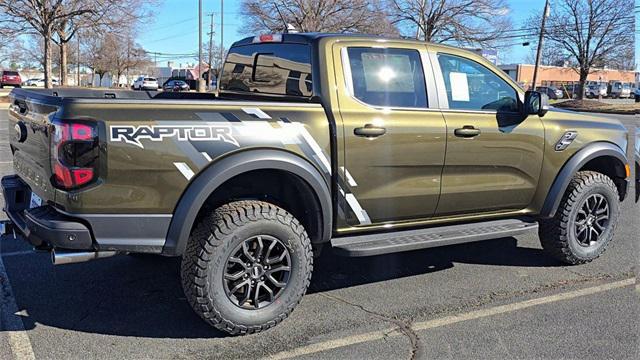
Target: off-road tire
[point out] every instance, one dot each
(557, 236)
(213, 240)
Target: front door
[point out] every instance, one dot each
(393, 143)
(494, 156)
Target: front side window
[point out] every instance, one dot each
(471, 86)
(387, 77)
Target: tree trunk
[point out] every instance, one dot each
(583, 82)
(64, 53)
(47, 60)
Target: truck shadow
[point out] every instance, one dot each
(142, 296)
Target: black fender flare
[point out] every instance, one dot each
(571, 167)
(218, 172)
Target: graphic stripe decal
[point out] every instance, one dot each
(350, 180)
(184, 169)
(361, 214)
(206, 156)
(256, 113)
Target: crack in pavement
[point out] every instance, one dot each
(494, 296)
(403, 327)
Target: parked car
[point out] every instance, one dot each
(10, 78)
(618, 89)
(636, 94)
(596, 90)
(146, 83)
(39, 82)
(175, 85)
(551, 91)
(342, 144)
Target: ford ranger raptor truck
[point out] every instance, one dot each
(364, 144)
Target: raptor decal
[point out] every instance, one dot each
(133, 134)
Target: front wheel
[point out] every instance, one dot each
(585, 221)
(246, 266)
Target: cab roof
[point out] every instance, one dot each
(313, 37)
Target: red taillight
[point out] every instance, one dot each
(74, 154)
(81, 132)
(267, 38)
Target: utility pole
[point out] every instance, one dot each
(78, 35)
(128, 60)
(221, 36)
(209, 87)
(545, 14)
(200, 83)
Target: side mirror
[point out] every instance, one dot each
(536, 103)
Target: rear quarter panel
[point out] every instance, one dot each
(149, 174)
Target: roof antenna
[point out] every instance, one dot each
(286, 26)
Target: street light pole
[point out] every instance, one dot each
(540, 40)
(200, 83)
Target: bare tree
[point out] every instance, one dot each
(42, 17)
(61, 18)
(113, 16)
(551, 56)
(342, 16)
(592, 32)
(466, 22)
(123, 55)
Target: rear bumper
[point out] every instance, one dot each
(42, 226)
(49, 227)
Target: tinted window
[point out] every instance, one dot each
(471, 86)
(10, 73)
(388, 77)
(273, 68)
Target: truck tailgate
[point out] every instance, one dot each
(30, 129)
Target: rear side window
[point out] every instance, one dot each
(274, 69)
(387, 77)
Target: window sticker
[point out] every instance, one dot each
(459, 86)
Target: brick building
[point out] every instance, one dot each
(557, 76)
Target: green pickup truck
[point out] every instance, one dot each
(362, 144)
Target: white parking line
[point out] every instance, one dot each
(448, 320)
(10, 323)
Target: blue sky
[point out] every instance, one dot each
(175, 28)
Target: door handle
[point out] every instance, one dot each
(467, 131)
(369, 131)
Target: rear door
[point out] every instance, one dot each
(494, 155)
(394, 142)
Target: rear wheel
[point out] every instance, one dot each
(246, 266)
(585, 220)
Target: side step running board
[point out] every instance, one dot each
(390, 242)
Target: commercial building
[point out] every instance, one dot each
(559, 76)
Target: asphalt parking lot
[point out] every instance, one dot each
(495, 299)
